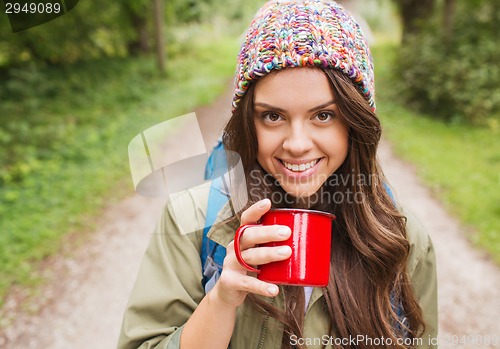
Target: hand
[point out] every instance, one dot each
(235, 283)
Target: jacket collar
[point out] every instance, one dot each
(222, 232)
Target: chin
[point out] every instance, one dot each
(302, 193)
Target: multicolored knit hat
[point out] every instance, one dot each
(298, 33)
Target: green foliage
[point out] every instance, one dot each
(459, 162)
(67, 158)
(95, 30)
(35, 130)
(456, 77)
(71, 102)
(89, 31)
(210, 11)
(382, 17)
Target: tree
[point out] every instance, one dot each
(160, 50)
(413, 14)
(89, 31)
(452, 63)
(448, 18)
(138, 13)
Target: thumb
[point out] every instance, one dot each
(253, 213)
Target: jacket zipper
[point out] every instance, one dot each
(264, 329)
(263, 332)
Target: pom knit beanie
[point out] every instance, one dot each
(298, 33)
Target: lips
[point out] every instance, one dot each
(299, 167)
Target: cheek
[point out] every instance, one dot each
(265, 152)
(336, 144)
(343, 147)
(267, 143)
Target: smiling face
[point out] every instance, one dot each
(302, 138)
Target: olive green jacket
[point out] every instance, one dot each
(168, 288)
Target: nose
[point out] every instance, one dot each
(298, 140)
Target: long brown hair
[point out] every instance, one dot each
(368, 278)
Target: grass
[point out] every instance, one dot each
(459, 162)
(71, 159)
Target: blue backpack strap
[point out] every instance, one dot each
(389, 191)
(212, 254)
(217, 162)
(399, 310)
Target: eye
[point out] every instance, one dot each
(325, 116)
(271, 117)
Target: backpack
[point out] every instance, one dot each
(212, 254)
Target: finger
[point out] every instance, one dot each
(263, 255)
(263, 234)
(254, 212)
(255, 256)
(260, 287)
(249, 284)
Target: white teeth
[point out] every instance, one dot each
(301, 167)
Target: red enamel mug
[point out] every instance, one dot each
(310, 241)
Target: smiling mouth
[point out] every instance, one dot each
(300, 167)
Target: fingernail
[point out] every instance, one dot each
(284, 232)
(283, 250)
(263, 203)
(272, 289)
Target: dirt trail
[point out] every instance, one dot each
(83, 306)
(469, 283)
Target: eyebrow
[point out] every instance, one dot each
(269, 106)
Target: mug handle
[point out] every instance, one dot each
(237, 250)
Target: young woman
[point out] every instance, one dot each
(305, 129)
